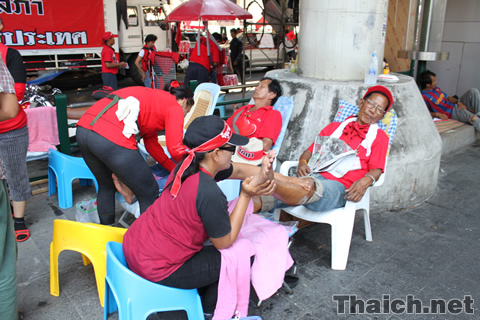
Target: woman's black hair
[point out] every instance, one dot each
(193, 168)
(180, 91)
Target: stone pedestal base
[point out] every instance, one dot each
(414, 160)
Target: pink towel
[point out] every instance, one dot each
(272, 258)
(42, 129)
(234, 282)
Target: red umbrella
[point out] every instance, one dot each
(208, 10)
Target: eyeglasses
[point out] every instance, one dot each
(379, 110)
(232, 149)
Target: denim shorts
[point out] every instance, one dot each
(333, 196)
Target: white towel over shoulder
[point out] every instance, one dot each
(127, 112)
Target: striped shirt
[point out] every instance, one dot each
(436, 101)
(6, 81)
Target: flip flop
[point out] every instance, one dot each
(24, 232)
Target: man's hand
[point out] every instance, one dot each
(303, 169)
(357, 189)
(461, 105)
(439, 115)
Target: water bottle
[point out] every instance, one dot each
(372, 74)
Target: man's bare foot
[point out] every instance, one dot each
(123, 189)
(266, 171)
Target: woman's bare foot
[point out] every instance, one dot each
(123, 189)
(266, 171)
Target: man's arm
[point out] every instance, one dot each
(439, 115)
(267, 144)
(303, 168)
(358, 188)
(138, 63)
(115, 65)
(8, 106)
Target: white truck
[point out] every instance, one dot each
(55, 35)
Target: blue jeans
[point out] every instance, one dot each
(333, 196)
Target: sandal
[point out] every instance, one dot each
(22, 235)
(21, 315)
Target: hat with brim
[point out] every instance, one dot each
(203, 129)
(108, 35)
(383, 90)
(251, 153)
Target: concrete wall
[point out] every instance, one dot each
(414, 161)
(461, 37)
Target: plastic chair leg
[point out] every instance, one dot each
(54, 286)
(65, 193)
(52, 182)
(368, 227)
(341, 239)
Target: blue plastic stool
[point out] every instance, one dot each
(221, 109)
(65, 169)
(137, 298)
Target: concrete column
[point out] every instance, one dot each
(338, 37)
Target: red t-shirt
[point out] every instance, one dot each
(157, 108)
(203, 58)
(172, 230)
(267, 121)
(376, 160)
(108, 55)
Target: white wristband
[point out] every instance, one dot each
(373, 178)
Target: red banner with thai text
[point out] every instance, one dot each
(51, 24)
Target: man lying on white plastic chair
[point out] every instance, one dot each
(324, 191)
(331, 189)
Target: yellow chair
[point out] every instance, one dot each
(90, 240)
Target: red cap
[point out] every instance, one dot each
(384, 90)
(107, 35)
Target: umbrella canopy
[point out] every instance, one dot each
(208, 10)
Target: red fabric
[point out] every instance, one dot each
(203, 59)
(230, 80)
(376, 160)
(108, 55)
(146, 61)
(179, 219)
(184, 46)
(157, 108)
(267, 121)
(18, 122)
(174, 55)
(217, 141)
(205, 10)
(290, 35)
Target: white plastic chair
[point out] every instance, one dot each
(341, 220)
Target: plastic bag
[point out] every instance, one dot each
(87, 211)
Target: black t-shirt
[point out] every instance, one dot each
(236, 47)
(15, 66)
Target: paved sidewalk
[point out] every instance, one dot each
(429, 251)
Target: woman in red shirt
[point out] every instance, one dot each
(109, 145)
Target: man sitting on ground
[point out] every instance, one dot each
(260, 120)
(466, 109)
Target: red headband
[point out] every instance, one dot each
(217, 141)
(175, 84)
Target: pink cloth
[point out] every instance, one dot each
(272, 258)
(234, 283)
(42, 129)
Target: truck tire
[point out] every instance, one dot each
(133, 71)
